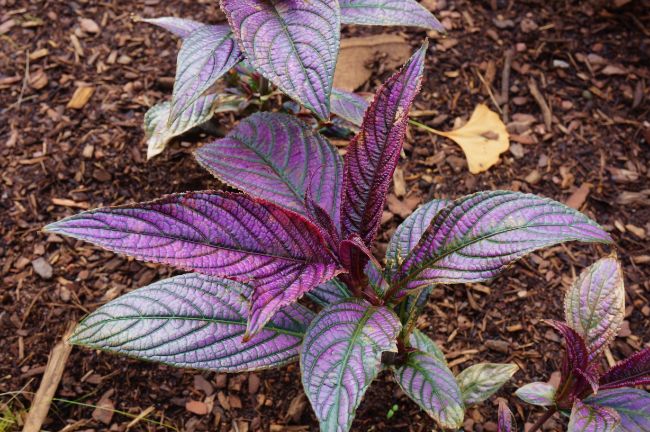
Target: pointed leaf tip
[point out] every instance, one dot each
(196, 321)
(480, 381)
(594, 306)
(374, 152)
(388, 13)
(476, 237)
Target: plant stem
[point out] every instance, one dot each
(423, 126)
(540, 422)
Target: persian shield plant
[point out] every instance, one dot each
(294, 44)
(595, 398)
(305, 225)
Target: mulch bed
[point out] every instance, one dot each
(590, 63)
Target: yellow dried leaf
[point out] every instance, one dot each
(482, 139)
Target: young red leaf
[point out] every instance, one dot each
(632, 371)
(374, 152)
(220, 234)
(577, 354)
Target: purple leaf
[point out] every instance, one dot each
(388, 13)
(632, 371)
(329, 292)
(632, 405)
(219, 234)
(478, 236)
(349, 106)
(411, 308)
(428, 381)
(537, 393)
(595, 304)
(422, 342)
(207, 54)
(373, 153)
(293, 43)
(408, 233)
(376, 278)
(341, 355)
(194, 321)
(592, 418)
(480, 381)
(180, 27)
(276, 157)
(506, 421)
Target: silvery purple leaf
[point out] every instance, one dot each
(408, 233)
(595, 304)
(180, 27)
(632, 405)
(537, 393)
(194, 321)
(341, 356)
(388, 13)
(205, 56)
(480, 381)
(219, 234)
(478, 236)
(592, 418)
(506, 421)
(349, 106)
(293, 43)
(428, 381)
(411, 308)
(632, 371)
(376, 278)
(373, 153)
(422, 342)
(277, 157)
(329, 292)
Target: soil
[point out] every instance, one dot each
(588, 59)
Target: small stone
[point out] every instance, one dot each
(527, 25)
(88, 151)
(38, 79)
(89, 26)
(517, 150)
(521, 47)
(533, 177)
(42, 268)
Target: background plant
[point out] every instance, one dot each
(596, 399)
(306, 226)
(294, 44)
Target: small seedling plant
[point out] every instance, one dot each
(597, 399)
(305, 226)
(293, 44)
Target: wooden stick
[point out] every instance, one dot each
(505, 83)
(49, 384)
(537, 95)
